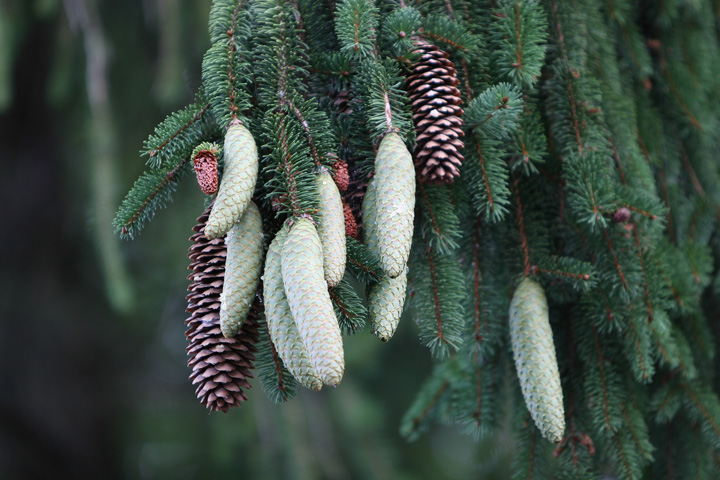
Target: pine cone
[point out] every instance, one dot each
(386, 302)
(238, 182)
(351, 226)
(243, 267)
(309, 300)
(206, 168)
(435, 102)
(340, 174)
(331, 228)
(394, 185)
(221, 366)
(535, 360)
(281, 326)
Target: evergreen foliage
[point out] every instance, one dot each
(590, 139)
(277, 382)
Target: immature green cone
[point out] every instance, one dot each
(535, 360)
(387, 299)
(281, 326)
(309, 300)
(369, 220)
(242, 270)
(331, 228)
(238, 181)
(395, 203)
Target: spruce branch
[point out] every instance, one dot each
(289, 166)
(349, 309)
(278, 384)
(356, 25)
(451, 35)
(226, 66)
(487, 176)
(477, 398)
(439, 223)
(177, 135)
(494, 114)
(529, 142)
(580, 275)
(398, 31)
(431, 401)
(520, 219)
(362, 263)
(438, 293)
(520, 32)
(486, 305)
(385, 103)
(151, 191)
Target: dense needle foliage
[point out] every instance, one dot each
(591, 132)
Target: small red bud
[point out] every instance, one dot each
(622, 215)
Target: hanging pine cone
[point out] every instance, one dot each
(221, 366)
(238, 182)
(331, 228)
(435, 102)
(535, 360)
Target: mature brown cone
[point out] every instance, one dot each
(221, 366)
(435, 102)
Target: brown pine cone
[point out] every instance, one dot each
(435, 102)
(221, 366)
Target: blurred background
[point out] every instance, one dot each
(93, 376)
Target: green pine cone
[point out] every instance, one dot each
(238, 181)
(395, 203)
(535, 360)
(387, 299)
(281, 326)
(309, 300)
(242, 270)
(331, 228)
(369, 220)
